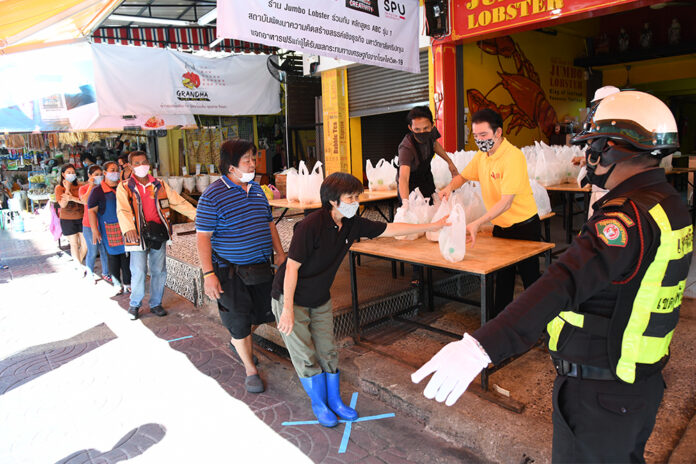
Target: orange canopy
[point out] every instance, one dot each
(31, 24)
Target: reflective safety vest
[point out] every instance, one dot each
(655, 310)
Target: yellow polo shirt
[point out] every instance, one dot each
(503, 173)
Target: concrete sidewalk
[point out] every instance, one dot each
(80, 382)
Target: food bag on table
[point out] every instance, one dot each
(292, 185)
(310, 183)
(382, 176)
(413, 214)
(541, 197)
(442, 211)
(452, 238)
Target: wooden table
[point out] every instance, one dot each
(569, 189)
(367, 199)
(484, 259)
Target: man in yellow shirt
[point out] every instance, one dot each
(501, 168)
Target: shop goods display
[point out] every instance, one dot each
(176, 183)
(382, 176)
(202, 182)
(452, 238)
(189, 183)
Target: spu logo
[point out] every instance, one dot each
(391, 6)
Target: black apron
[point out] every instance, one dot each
(422, 176)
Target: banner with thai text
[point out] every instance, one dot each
(380, 33)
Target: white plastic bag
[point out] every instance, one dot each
(452, 238)
(441, 173)
(442, 211)
(382, 176)
(292, 184)
(310, 183)
(420, 206)
(541, 197)
(407, 216)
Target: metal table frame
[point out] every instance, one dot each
(425, 299)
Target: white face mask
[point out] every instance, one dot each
(348, 210)
(142, 170)
(70, 177)
(112, 176)
(246, 176)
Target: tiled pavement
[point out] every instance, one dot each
(398, 439)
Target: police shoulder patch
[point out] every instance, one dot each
(615, 202)
(625, 218)
(612, 232)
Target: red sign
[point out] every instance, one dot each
(477, 18)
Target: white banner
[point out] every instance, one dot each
(381, 33)
(154, 81)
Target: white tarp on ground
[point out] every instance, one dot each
(143, 80)
(132, 380)
(380, 33)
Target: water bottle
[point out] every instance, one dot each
(18, 223)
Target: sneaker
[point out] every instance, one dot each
(107, 278)
(133, 311)
(158, 311)
(254, 384)
(127, 288)
(253, 356)
(119, 291)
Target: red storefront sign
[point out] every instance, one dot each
(485, 18)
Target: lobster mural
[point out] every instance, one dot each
(530, 108)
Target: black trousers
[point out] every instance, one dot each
(596, 421)
(528, 269)
(119, 267)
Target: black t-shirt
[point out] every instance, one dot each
(320, 247)
(408, 155)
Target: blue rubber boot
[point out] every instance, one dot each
(334, 398)
(315, 387)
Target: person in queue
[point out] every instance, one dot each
(125, 167)
(103, 223)
(236, 237)
(416, 151)
(143, 206)
(301, 299)
(67, 194)
(610, 303)
(94, 179)
(501, 168)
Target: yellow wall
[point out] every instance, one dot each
(662, 69)
(356, 156)
(334, 91)
(168, 148)
(526, 104)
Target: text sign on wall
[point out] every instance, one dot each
(381, 33)
(471, 18)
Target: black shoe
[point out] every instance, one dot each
(133, 311)
(254, 384)
(253, 356)
(158, 311)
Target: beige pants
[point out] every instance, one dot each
(311, 342)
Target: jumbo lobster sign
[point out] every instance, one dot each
(530, 108)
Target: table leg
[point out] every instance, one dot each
(569, 216)
(486, 311)
(282, 215)
(431, 303)
(393, 269)
(354, 294)
(547, 230)
(391, 211)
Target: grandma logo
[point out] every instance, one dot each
(366, 6)
(192, 82)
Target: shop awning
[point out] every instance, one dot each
(31, 24)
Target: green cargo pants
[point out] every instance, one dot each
(311, 342)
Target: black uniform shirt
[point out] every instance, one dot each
(589, 275)
(320, 247)
(408, 154)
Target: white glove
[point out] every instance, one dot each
(404, 204)
(455, 366)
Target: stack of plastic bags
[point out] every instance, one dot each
(550, 165)
(304, 186)
(419, 212)
(382, 176)
(441, 173)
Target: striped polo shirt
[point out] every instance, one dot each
(238, 221)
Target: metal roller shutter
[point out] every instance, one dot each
(375, 90)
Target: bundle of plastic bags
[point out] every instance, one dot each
(452, 238)
(441, 173)
(309, 183)
(292, 184)
(382, 176)
(419, 212)
(541, 197)
(469, 196)
(551, 165)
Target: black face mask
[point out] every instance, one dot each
(423, 137)
(593, 158)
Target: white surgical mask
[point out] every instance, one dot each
(246, 176)
(348, 210)
(113, 176)
(70, 177)
(98, 180)
(142, 170)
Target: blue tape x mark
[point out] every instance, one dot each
(180, 338)
(349, 424)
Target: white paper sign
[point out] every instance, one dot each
(377, 32)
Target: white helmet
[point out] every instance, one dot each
(635, 118)
(604, 92)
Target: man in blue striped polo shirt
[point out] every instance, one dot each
(236, 237)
